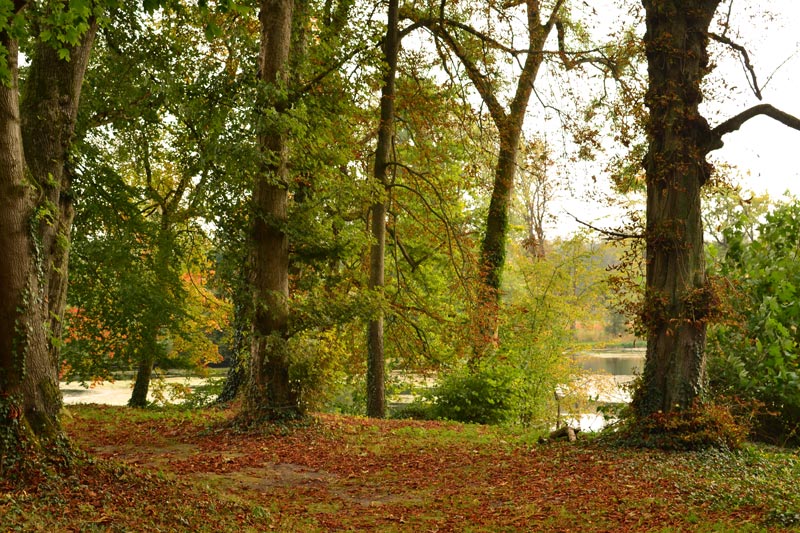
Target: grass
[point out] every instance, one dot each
(180, 470)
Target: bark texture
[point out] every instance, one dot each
(271, 394)
(376, 361)
(144, 374)
(35, 219)
(676, 296)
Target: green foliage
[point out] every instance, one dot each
(757, 357)
(419, 409)
(486, 395)
(316, 364)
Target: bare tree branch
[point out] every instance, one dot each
(736, 122)
(752, 80)
(611, 235)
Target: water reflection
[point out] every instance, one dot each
(608, 373)
(619, 362)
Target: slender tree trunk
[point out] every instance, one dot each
(149, 350)
(509, 121)
(676, 294)
(271, 394)
(144, 373)
(376, 359)
(493, 246)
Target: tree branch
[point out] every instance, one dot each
(608, 233)
(752, 81)
(736, 122)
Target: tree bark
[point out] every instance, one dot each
(49, 109)
(376, 359)
(677, 297)
(35, 214)
(271, 394)
(144, 373)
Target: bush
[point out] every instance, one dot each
(756, 358)
(482, 396)
(416, 410)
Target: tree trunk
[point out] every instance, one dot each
(493, 246)
(29, 397)
(271, 394)
(509, 122)
(49, 109)
(376, 359)
(34, 222)
(141, 386)
(154, 320)
(676, 295)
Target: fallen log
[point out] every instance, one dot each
(562, 433)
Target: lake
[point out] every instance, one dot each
(117, 392)
(607, 373)
(615, 362)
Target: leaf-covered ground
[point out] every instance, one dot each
(174, 470)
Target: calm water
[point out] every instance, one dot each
(608, 373)
(618, 362)
(116, 392)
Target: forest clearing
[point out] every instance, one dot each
(372, 252)
(180, 470)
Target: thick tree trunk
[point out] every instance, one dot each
(34, 221)
(271, 394)
(676, 296)
(29, 396)
(376, 359)
(49, 109)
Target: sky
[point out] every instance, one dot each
(763, 150)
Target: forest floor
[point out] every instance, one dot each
(181, 470)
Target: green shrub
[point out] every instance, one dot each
(416, 410)
(483, 396)
(756, 358)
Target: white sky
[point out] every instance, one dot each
(763, 150)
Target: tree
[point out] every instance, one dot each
(475, 50)
(147, 164)
(678, 299)
(376, 359)
(35, 207)
(271, 393)
(535, 194)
